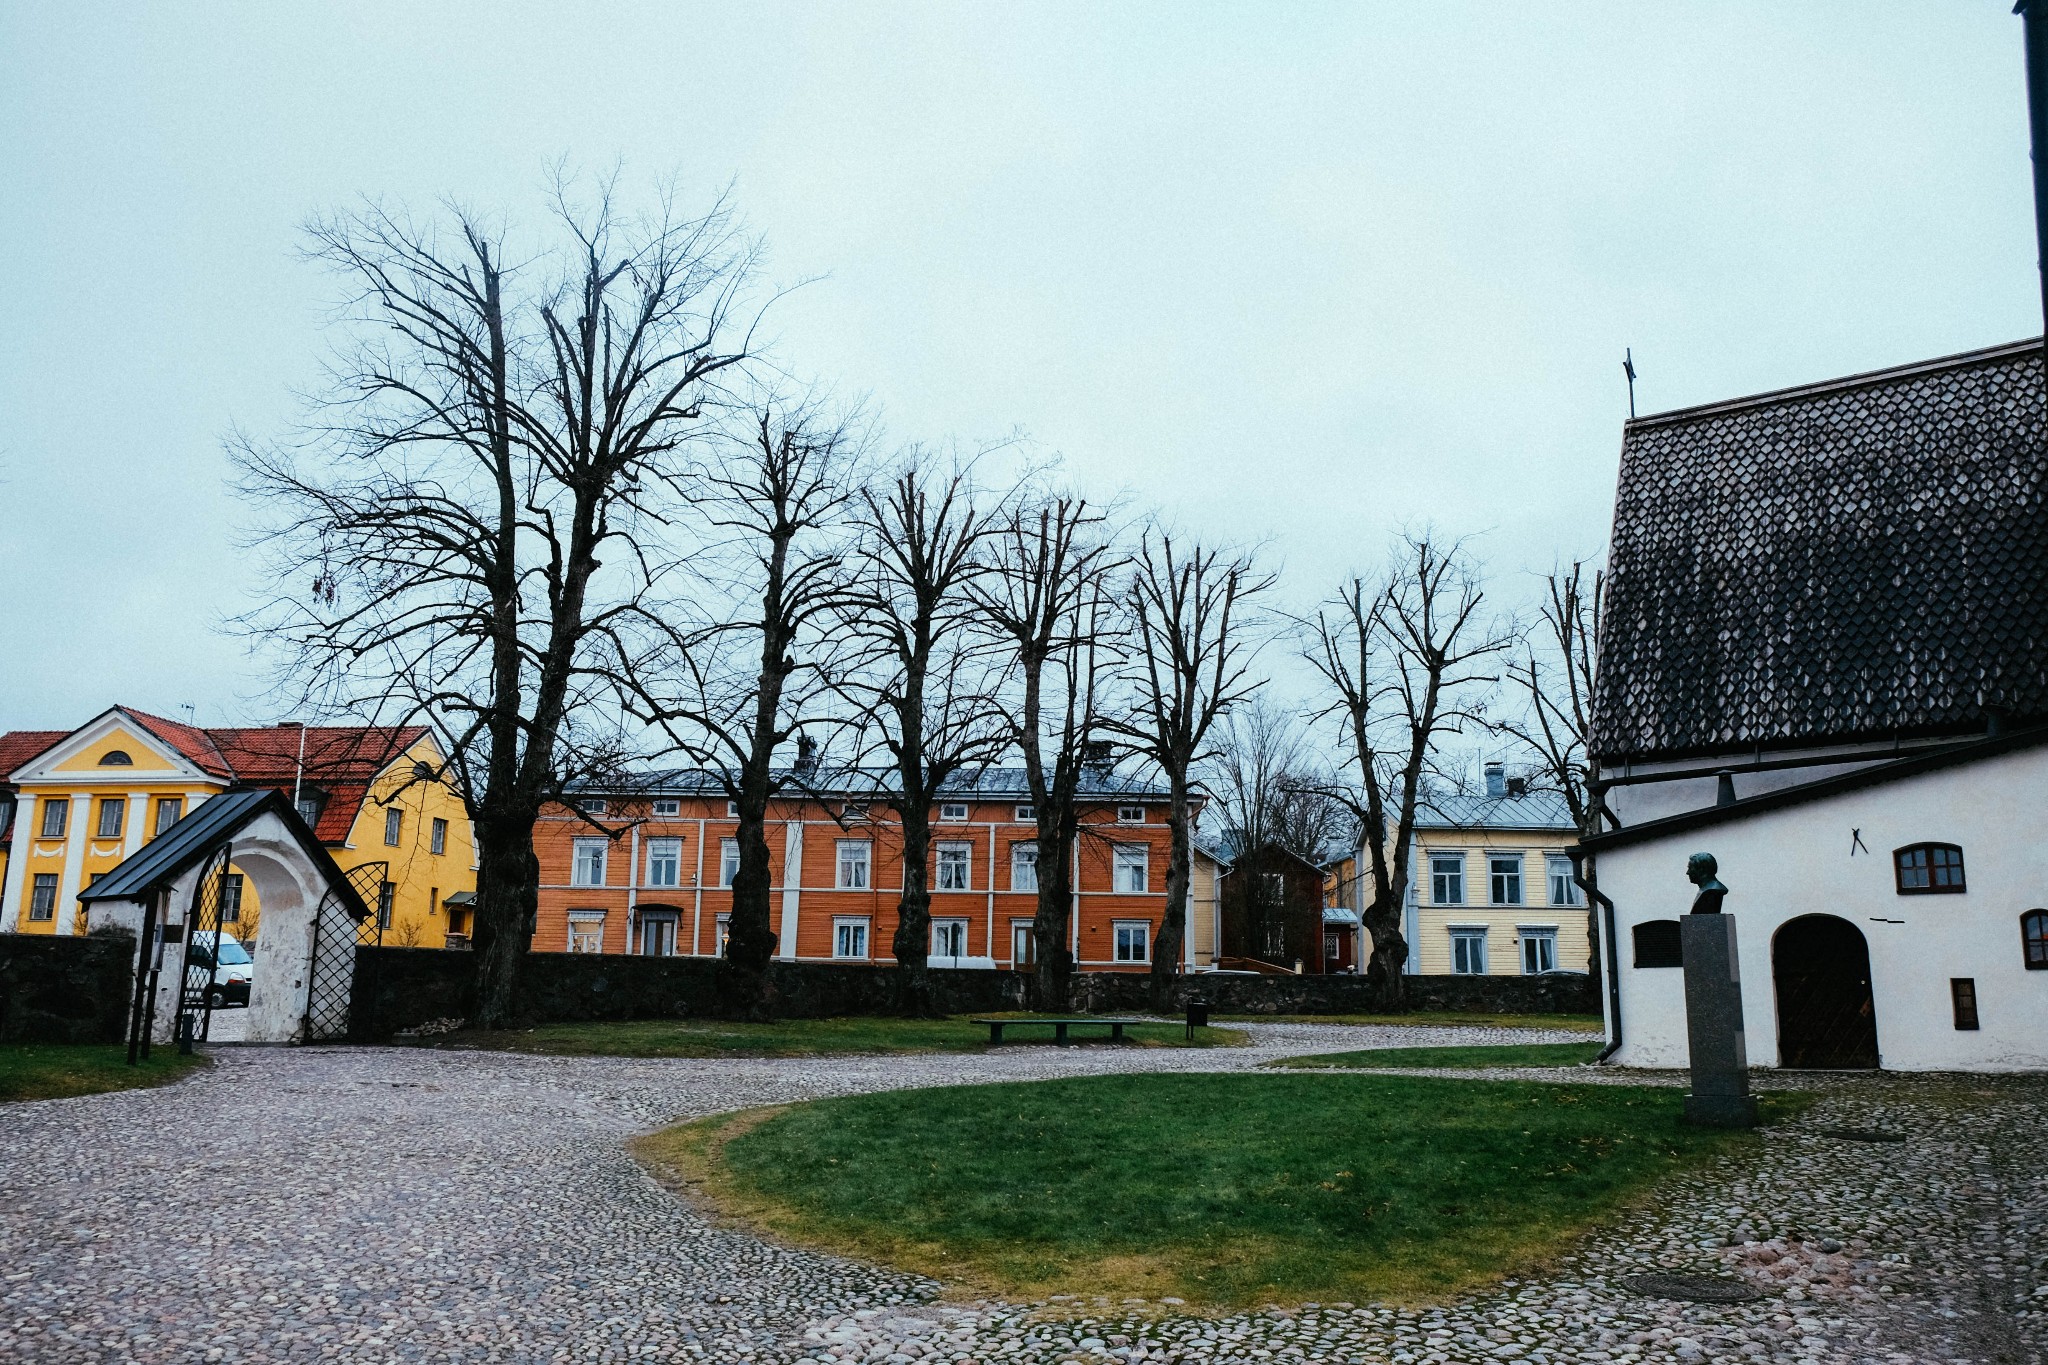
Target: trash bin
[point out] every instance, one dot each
(1198, 1016)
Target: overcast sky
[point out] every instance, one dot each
(1289, 272)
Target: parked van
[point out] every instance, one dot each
(232, 974)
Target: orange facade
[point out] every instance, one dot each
(647, 874)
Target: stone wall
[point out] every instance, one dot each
(401, 988)
(65, 989)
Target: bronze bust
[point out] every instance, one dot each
(1700, 870)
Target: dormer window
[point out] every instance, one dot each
(953, 812)
(116, 758)
(593, 806)
(1929, 870)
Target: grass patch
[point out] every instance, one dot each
(1499, 1054)
(794, 1037)
(1575, 1023)
(55, 1071)
(1222, 1189)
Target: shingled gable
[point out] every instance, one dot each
(1861, 559)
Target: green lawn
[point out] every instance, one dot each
(1499, 1054)
(795, 1037)
(50, 1071)
(1576, 1023)
(1221, 1189)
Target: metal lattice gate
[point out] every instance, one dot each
(197, 987)
(330, 983)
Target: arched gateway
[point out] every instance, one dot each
(1827, 1017)
(169, 891)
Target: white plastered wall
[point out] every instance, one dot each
(1805, 859)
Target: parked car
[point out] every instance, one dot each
(232, 974)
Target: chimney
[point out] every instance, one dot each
(806, 754)
(1518, 787)
(2034, 17)
(1496, 780)
(1098, 757)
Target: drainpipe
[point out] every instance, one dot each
(1584, 863)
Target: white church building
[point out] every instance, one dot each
(1824, 661)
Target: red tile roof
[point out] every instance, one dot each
(19, 746)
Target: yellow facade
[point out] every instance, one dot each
(1481, 910)
(78, 816)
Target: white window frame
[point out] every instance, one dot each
(1494, 876)
(954, 856)
(1027, 814)
(1453, 871)
(1124, 858)
(953, 812)
(728, 862)
(231, 887)
(1132, 939)
(595, 805)
(732, 810)
(394, 826)
(1024, 934)
(174, 807)
(56, 821)
(855, 865)
(585, 919)
(949, 933)
(42, 907)
(1028, 848)
(116, 806)
(1531, 936)
(437, 836)
(721, 930)
(650, 925)
(309, 810)
(582, 863)
(1468, 934)
(1560, 869)
(852, 932)
(667, 806)
(853, 810)
(1130, 815)
(670, 851)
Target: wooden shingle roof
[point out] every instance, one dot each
(1864, 558)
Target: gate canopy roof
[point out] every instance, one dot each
(160, 862)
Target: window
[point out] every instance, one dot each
(658, 933)
(1657, 944)
(668, 805)
(113, 813)
(42, 901)
(594, 806)
(854, 857)
(953, 812)
(664, 862)
(849, 937)
(723, 928)
(1446, 879)
(732, 810)
(1132, 864)
(116, 758)
(169, 810)
(1504, 879)
(1276, 940)
(1929, 870)
(1130, 815)
(728, 862)
(231, 899)
(309, 809)
(1539, 951)
(949, 938)
(1563, 890)
(586, 931)
(2034, 939)
(854, 810)
(1023, 943)
(387, 900)
(588, 868)
(437, 836)
(955, 867)
(56, 816)
(394, 826)
(1133, 940)
(1468, 952)
(1027, 815)
(1023, 867)
(1962, 991)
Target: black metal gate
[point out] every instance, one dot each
(1827, 1019)
(331, 975)
(198, 988)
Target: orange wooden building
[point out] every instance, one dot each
(647, 871)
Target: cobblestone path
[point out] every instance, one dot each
(401, 1205)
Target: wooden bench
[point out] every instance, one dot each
(1060, 1027)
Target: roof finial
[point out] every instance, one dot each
(1628, 367)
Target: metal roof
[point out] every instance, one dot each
(214, 821)
(1002, 783)
(1534, 810)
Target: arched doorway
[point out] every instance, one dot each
(1827, 1019)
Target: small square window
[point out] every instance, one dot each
(732, 810)
(394, 826)
(667, 806)
(953, 812)
(1130, 815)
(849, 937)
(854, 810)
(1133, 940)
(595, 805)
(1027, 815)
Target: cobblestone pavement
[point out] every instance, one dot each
(401, 1205)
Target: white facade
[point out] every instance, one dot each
(1833, 855)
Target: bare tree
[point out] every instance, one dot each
(1048, 596)
(751, 665)
(468, 534)
(1270, 791)
(1402, 663)
(929, 687)
(1193, 644)
(1552, 679)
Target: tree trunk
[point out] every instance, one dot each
(912, 942)
(507, 910)
(1167, 952)
(750, 931)
(1384, 973)
(1052, 980)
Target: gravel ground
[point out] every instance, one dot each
(400, 1205)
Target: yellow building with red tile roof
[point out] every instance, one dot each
(74, 804)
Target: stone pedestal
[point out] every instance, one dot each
(1720, 1095)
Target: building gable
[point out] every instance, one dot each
(78, 755)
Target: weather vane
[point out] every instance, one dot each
(1628, 367)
